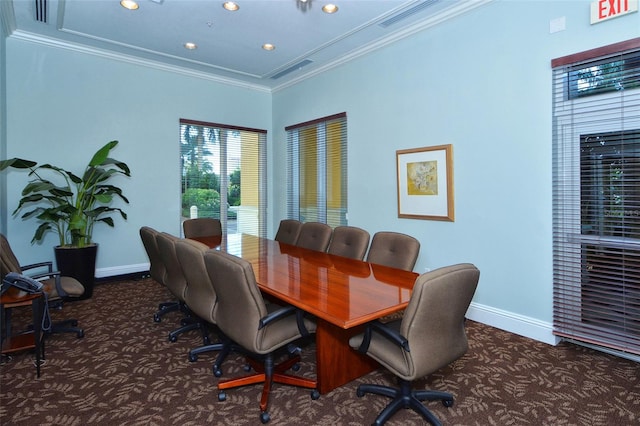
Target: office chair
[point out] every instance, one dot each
(430, 336)
(201, 298)
(288, 231)
(177, 284)
(394, 249)
(202, 227)
(314, 236)
(56, 287)
(157, 269)
(258, 328)
(349, 241)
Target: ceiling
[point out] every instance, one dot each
(307, 40)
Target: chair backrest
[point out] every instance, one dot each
(394, 249)
(200, 295)
(349, 241)
(174, 278)
(8, 260)
(240, 304)
(157, 270)
(433, 322)
(288, 231)
(202, 227)
(314, 236)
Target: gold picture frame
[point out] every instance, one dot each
(425, 183)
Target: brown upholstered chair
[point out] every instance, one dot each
(176, 283)
(349, 241)
(260, 329)
(157, 270)
(57, 287)
(430, 336)
(202, 227)
(314, 236)
(201, 298)
(394, 249)
(288, 231)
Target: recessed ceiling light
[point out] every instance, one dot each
(190, 46)
(230, 6)
(129, 4)
(330, 8)
(268, 46)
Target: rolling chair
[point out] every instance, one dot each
(394, 249)
(258, 328)
(202, 227)
(314, 236)
(288, 231)
(157, 270)
(56, 287)
(430, 336)
(349, 241)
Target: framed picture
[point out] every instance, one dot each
(425, 183)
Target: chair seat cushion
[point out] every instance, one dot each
(70, 285)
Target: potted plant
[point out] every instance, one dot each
(70, 205)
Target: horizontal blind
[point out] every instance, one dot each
(317, 170)
(224, 174)
(596, 197)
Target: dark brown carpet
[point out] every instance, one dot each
(126, 372)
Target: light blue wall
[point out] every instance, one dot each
(481, 82)
(64, 105)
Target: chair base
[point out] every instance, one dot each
(268, 373)
(166, 307)
(67, 326)
(404, 397)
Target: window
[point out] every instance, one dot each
(223, 175)
(596, 197)
(317, 170)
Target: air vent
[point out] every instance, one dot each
(292, 68)
(42, 7)
(407, 13)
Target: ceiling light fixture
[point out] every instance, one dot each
(330, 8)
(129, 4)
(190, 46)
(231, 6)
(268, 46)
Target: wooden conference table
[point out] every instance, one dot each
(342, 293)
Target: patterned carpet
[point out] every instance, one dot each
(126, 372)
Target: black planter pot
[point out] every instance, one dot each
(79, 263)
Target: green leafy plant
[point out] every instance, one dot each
(71, 207)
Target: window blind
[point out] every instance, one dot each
(317, 170)
(224, 175)
(596, 197)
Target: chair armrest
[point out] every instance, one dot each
(385, 331)
(49, 265)
(285, 312)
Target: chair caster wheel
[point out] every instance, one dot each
(80, 334)
(193, 357)
(315, 394)
(206, 341)
(217, 371)
(447, 402)
(173, 338)
(156, 318)
(246, 368)
(359, 393)
(295, 367)
(74, 323)
(265, 417)
(222, 396)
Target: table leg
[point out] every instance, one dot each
(336, 363)
(37, 305)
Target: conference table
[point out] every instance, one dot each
(342, 294)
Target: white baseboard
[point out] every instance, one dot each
(513, 323)
(121, 270)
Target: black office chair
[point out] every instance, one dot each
(261, 329)
(430, 336)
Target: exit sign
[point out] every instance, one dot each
(601, 10)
